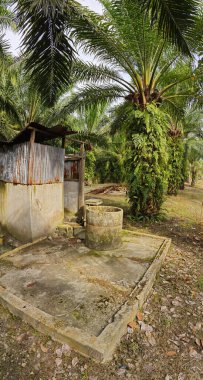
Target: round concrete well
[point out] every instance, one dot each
(103, 227)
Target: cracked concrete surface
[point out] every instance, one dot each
(81, 289)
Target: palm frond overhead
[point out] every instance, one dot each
(95, 35)
(122, 118)
(94, 118)
(48, 50)
(88, 71)
(6, 15)
(7, 106)
(93, 139)
(175, 19)
(193, 122)
(3, 47)
(128, 44)
(89, 96)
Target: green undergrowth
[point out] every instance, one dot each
(200, 282)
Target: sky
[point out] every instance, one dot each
(14, 38)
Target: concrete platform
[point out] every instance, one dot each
(79, 296)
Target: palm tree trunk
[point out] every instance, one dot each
(193, 177)
(147, 165)
(175, 180)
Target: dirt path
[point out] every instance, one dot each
(167, 343)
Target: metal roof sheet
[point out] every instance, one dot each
(42, 134)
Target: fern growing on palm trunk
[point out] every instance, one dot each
(146, 164)
(176, 158)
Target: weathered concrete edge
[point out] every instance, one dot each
(16, 250)
(133, 231)
(23, 246)
(100, 348)
(112, 334)
(47, 324)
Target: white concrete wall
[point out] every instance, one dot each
(71, 193)
(29, 212)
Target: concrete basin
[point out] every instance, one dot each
(103, 228)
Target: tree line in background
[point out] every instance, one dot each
(137, 98)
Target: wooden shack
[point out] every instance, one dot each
(32, 182)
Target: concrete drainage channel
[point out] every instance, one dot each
(80, 296)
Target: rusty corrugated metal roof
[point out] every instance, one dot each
(42, 134)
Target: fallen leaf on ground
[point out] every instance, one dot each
(31, 284)
(66, 348)
(44, 349)
(145, 327)
(171, 353)
(59, 352)
(139, 316)
(133, 325)
(75, 361)
(193, 353)
(151, 339)
(58, 361)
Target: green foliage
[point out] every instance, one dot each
(195, 158)
(200, 282)
(20, 103)
(175, 164)
(47, 48)
(110, 161)
(109, 167)
(175, 19)
(146, 165)
(185, 167)
(155, 74)
(6, 19)
(196, 170)
(90, 166)
(124, 40)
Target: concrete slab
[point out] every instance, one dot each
(79, 296)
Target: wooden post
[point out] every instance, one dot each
(63, 142)
(81, 200)
(32, 136)
(31, 157)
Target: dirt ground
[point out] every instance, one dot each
(167, 342)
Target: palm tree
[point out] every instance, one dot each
(193, 122)
(193, 139)
(47, 46)
(50, 27)
(91, 126)
(185, 123)
(22, 103)
(144, 73)
(6, 20)
(195, 158)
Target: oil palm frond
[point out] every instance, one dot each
(89, 96)
(48, 50)
(175, 19)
